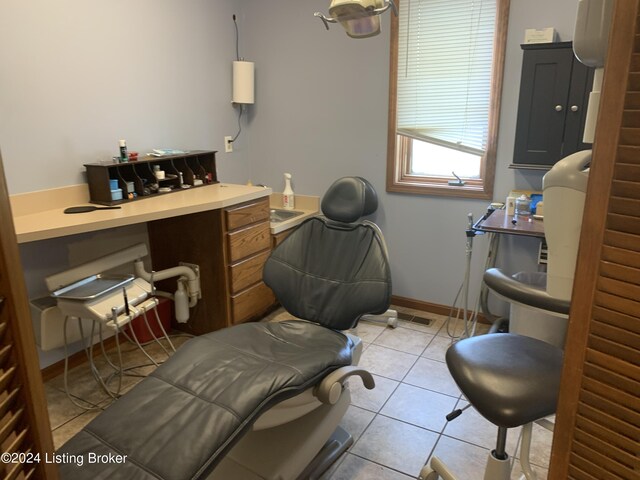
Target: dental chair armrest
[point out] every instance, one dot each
(330, 389)
(519, 292)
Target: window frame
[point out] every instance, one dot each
(399, 178)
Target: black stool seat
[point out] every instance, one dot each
(510, 379)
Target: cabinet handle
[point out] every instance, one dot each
(558, 108)
(574, 108)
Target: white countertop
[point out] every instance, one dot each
(40, 216)
(308, 205)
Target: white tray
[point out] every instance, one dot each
(92, 287)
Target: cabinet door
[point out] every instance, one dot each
(251, 303)
(544, 90)
(278, 238)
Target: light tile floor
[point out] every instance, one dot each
(400, 424)
(396, 427)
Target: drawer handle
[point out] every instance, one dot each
(574, 108)
(558, 108)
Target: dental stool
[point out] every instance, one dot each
(257, 400)
(511, 380)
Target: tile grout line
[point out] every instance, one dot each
(381, 465)
(377, 413)
(402, 382)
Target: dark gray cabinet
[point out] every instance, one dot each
(554, 93)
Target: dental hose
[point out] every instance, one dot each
(467, 275)
(467, 317)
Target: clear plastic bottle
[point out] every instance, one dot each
(288, 197)
(523, 207)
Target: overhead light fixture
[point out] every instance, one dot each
(360, 18)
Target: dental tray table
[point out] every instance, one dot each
(500, 222)
(101, 298)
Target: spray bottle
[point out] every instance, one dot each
(124, 157)
(288, 198)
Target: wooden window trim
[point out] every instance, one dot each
(398, 178)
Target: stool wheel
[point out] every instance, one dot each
(428, 473)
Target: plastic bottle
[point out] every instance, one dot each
(511, 206)
(523, 206)
(124, 157)
(181, 303)
(288, 197)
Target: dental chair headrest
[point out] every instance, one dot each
(348, 199)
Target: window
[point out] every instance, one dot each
(447, 60)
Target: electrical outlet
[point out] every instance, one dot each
(228, 144)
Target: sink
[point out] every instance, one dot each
(280, 215)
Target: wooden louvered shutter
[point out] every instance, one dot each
(597, 434)
(24, 422)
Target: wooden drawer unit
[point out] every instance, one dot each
(247, 241)
(248, 245)
(230, 245)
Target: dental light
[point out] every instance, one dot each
(360, 18)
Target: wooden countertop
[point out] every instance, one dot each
(39, 215)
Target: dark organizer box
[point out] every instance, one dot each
(197, 167)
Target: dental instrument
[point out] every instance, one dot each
(126, 301)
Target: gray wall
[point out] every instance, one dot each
(77, 76)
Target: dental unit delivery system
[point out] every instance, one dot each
(83, 293)
(114, 301)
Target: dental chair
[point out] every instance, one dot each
(512, 380)
(258, 400)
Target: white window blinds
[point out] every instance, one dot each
(445, 53)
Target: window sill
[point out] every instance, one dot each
(440, 189)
